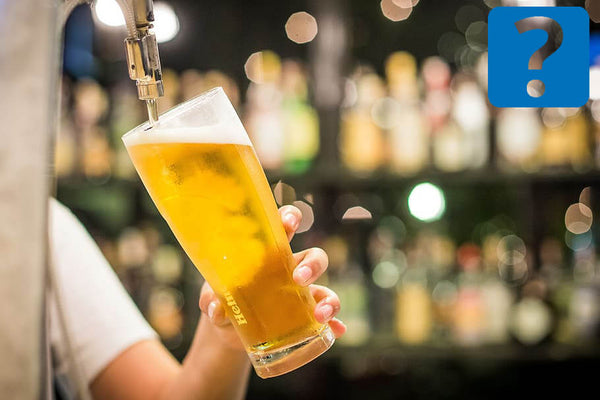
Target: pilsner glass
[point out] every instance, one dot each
(203, 175)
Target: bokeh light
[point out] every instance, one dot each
(406, 3)
(493, 3)
(301, 27)
(356, 213)
(477, 36)
(467, 15)
(585, 196)
(449, 44)
(578, 242)
(512, 263)
(593, 9)
(166, 23)
(386, 274)
(530, 320)
(284, 193)
(595, 110)
(109, 13)
(263, 66)
(308, 216)
(394, 12)
(426, 202)
(513, 274)
(553, 118)
(578, 218)
(511, 249)
(529, 3)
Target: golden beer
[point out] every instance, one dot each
(209, 186)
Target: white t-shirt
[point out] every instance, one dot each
(101, 318)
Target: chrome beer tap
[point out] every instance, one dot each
(141, 49)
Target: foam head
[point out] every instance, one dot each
(207, 118)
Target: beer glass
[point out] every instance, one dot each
(199, 167)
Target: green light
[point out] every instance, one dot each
(426, 202)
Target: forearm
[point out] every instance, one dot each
(211, 369)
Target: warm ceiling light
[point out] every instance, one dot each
(109, 13)
(166, 23)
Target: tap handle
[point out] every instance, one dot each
(144, 65)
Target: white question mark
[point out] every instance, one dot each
(535, 87)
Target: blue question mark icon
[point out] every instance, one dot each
(527, 67)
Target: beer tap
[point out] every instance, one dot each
(141, 49)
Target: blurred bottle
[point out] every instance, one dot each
(448, 140)
(531, 318)
(438, 103)
(216, 78)
(594, 109)
(172, 90)
(584, 305)
(165, 315)
(90, 106)
(470, 111)
(497, 297)
(65, 148)
(263, 114)
(414, 313)
(518, 137)
(498, 300)
(565, 139)
(191, 81)
(469, 315)
(167, 264)
(127, 111)
(300, 120)
(407, 133)
(347, 280)
(560, 286)
(444, 292)
(132, 265)
(97, 154)
(362, 143)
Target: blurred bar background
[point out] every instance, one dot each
(462, 238)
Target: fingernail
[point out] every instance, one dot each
(211, 309)
(304, 273)
(327, 311)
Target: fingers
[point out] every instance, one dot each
(211, 306)
(337, 327)
(291, 217)
(328, 303)
(310, 265)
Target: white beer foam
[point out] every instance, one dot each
(216, 134)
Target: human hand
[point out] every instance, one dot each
(310, 265)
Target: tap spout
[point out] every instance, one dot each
(141, 49)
